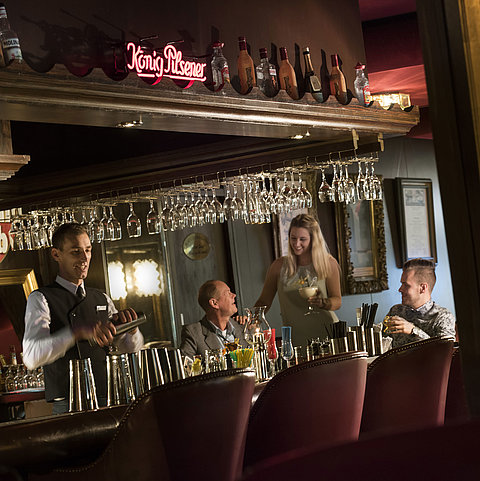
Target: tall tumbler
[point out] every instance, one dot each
(176, 364)
(151, 369)
(82, 392)
(120, 388)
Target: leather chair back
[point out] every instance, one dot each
(407, 387)
(442, 453)
(315, 402)
(189, 429)
(456, 408)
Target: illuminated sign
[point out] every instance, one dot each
(152, 66)
(4, 239)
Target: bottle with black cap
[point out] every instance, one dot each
(312, 82)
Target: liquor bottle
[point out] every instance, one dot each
(266, 75)
(312, 82)
(246, 70)
(220, 72)
(13, 356)
(362, 86)
(288, 79)
(338, 86)
(10, 44)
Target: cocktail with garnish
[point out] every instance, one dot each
(306, 292)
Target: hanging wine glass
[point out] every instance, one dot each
(17, 234)
(107, 234)
(153, 221)
(237, 204)
(293, 194)
(376, 182)
(349, 188)
(337, 186)
(95, 227)
(361, 184)
(285, 194)
(272, 196)
(306, 197)
(113, 225)
(167, 214)
(192, 217)
(217, 206)
(134, 227)
(325, 193)
(228, 203)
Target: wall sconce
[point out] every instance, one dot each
(388, 99)
(116, 276)
(146, 278)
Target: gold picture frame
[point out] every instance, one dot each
(361, 246)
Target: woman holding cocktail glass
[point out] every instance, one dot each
(307, 280)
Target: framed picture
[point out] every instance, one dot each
(361, 246)
(416, 219)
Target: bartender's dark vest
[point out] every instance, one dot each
(66, 309)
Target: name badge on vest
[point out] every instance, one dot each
(101, 308)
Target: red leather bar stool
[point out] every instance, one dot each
(317, 402)
(407, 387)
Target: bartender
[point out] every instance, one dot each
(62, 320)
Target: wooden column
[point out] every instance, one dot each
(450, 40)
(5, 138)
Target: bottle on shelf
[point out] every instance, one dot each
(312, 82)
(246, 69)
(361, 85)
(13, 356)
(220, 72)
(286, 73)
(338, 85)
(266, 75)
(10, 45)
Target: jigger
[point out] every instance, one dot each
(83, 395)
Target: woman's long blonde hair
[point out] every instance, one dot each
(319, 248)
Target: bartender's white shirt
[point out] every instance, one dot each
(41, 347)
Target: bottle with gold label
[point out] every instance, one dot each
(287, 77)
(246, 69)
(338, 85)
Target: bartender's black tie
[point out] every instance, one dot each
(80, 292)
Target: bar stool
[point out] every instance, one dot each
(407, 387)
(317, 402)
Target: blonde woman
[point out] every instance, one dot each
(308, 263)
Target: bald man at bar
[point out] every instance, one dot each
(217, 327)
(418, 316)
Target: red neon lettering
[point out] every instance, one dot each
(151, 65)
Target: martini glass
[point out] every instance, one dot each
(307, 292)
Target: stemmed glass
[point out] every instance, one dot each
(27, 234)
(107, 234)
(286, 350)
(153, 221)
(218, 208)
(113, 225)
(237, 202)
(228, 204)
(337, 185)
(325, 191)
(306, 292)
(272, 353)
(362, 184)
(134, 227)
(349, 188)
(167, 214)
(305, 198)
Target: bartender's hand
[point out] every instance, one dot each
(102, 333)
(127, 315)
(240, 319)
(397, 324)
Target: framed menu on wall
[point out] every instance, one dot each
(416, 219)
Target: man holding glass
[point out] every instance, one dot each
(66, 320)
(216, 328)
(418, 317)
